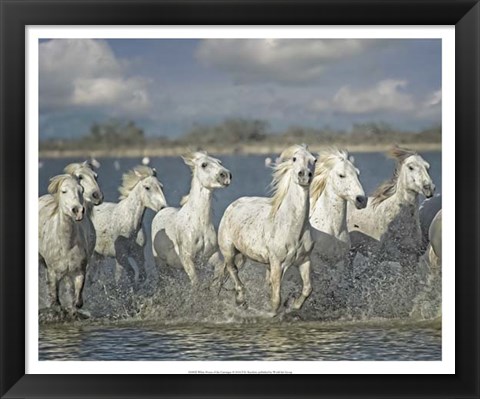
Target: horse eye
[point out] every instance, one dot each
(341, 176)
(294, 159)
(204, 165)
(64, 191)
(147, 188)
(411, 168)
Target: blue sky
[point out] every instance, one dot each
(166, 86)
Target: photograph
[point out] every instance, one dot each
(197, 195)
(239, 199)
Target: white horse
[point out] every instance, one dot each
(274, 231)
(87, 177)
(427, 212)
(435, 237)
(92, 196)
(119, 225)
(391, 217)
(186, 236)
(62, 245)
(335, 183)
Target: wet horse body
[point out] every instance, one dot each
(185, 237)
(119, 225)
(62, 245)
(335, 184)
(273, 231)
(84, 230)
(391, 219)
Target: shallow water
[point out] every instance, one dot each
(165, 320)
(299, 341)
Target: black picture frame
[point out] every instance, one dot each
(16, 14)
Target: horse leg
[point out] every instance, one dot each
(218, 271)
(53, 287)
(233, 271)
(304, 270)
(275, 281)
(189, 267)
(78, 284)
(140, 258)
(122, 266)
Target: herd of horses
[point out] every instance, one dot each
(317, 205)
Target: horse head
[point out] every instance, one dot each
(68, 194)
(87, 177)
(337, 173)
(208, 170)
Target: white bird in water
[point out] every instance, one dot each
(268, 161)
(95, 163)
(146, 161)
(116, 165)
(40, 164)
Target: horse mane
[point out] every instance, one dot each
(327, 159)
(51, 201)
(189, 159)
(389, 187)
(132, 177)
(73, 167)
(280, 183)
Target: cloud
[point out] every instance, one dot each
(86, 73)
(433, 99)
(385, 95)
(292, 61)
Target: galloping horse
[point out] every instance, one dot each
(186, 236)
(62, 246)
(274, 231)
(335, 183)
(391, 216)
(118, 225)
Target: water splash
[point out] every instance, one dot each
(365, 289)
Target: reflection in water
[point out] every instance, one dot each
(302, 341)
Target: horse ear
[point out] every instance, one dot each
(358, 171)
(154, 172)
(137, 173)
(188, 159)
(351, 158)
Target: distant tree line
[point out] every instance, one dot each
(116, 135)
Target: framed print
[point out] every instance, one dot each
(214, 197)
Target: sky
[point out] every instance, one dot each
(169, 85)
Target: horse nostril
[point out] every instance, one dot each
(75, 210)
(309, 174)
(427, 187)
(223, 175)
(300, 174)
(231, 176)
(96, 195)
(360, 199)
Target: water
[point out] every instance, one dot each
(302, 341)
(164, 320)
